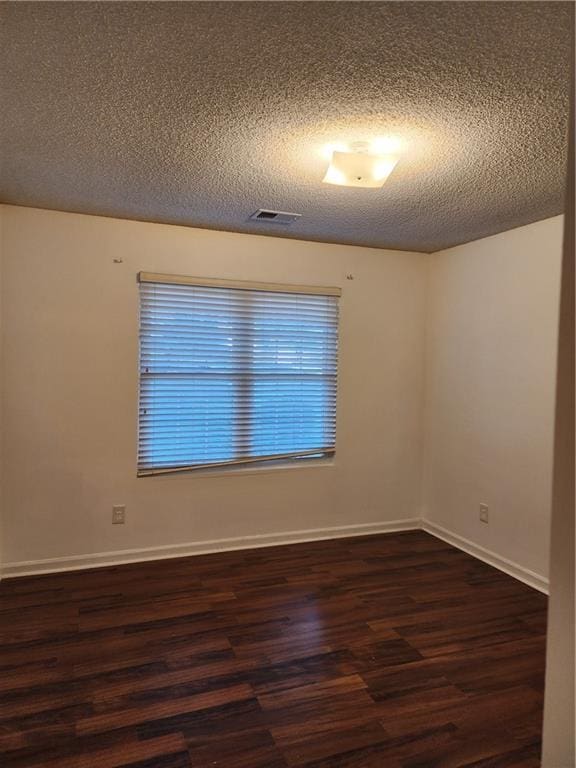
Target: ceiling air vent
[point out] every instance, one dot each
(275, 217)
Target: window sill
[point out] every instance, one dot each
(233, 471)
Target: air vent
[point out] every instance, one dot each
(275, 217)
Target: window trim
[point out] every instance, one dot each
(257, 468)
(285, 460)
(239, 285)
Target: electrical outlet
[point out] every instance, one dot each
(118, 514)
(483, 513)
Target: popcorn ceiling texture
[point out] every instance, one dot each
(200, 113)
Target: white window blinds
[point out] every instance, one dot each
(233, 373)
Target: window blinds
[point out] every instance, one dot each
(234, 372)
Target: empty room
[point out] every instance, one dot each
(286, 385)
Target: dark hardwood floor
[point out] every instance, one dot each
(383, 651)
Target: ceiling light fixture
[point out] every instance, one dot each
(363, 164)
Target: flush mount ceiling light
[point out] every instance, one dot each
(362, 164)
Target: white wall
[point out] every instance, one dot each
(482, 315)
(70, 329)
(490, 389)
(1, 368)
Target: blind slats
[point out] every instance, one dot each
(230, 375)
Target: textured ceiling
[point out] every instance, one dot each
(201, 113)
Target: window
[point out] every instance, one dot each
(234, 372)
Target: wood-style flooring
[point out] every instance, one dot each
(391, 651)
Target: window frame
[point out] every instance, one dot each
(243, 464)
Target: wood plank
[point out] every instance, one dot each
(394, 650)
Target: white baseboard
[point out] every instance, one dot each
(502, 563)
(103, 559)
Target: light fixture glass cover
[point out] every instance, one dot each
(359, 167)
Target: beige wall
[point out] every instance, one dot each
(559, 711)
(70, 384)
(490, 388)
